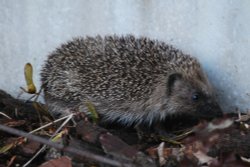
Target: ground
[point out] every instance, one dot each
(80, 139)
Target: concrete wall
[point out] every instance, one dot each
(217, 32)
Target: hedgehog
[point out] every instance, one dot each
(128, 79)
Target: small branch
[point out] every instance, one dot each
(69, 149)
(44, 146)
(1, 113)
(51, 123)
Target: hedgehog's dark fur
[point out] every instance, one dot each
(128, 79)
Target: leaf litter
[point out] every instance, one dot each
(83, 139)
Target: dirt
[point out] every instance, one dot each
(86, 140)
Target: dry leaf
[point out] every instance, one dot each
(160, 151)
(62, 162)
(92, 111)
(28, 73)
(203, 158)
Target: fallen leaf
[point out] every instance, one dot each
(30, 148)
(6, 148)
(245, 159)
(160, 151)
(59, 135)
(222, 125)
(14, 123)
(28, 73)
(115, 146)
(91, 108)
(60, 162)
(12, 143)
(11, 161)
(203, 158)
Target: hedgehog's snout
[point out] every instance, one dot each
(210, 110)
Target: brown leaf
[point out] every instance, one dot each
(12, 143)
(14, 123)
(30, 148)
(11, 161)
(60, 162)
(88, 131)
(115, 146)
(152, 151)
(203, 158)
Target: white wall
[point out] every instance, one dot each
(217, 32)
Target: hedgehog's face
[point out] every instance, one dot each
(191, 96)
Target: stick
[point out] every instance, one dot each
(69, 149)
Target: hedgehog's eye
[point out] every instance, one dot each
(195, 96)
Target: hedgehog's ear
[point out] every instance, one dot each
(171, 80)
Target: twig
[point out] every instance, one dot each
(51, 123)
(183, 135)
(54, 134)
(170, 141)
(35, 101)
(86, 154)
(38, 94)
(11, 161)
(1, 113)
(34, 95)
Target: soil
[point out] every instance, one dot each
(85, 140)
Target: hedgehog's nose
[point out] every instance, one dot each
(215, 110)
(210, 110)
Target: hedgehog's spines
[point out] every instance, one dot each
(124, 76)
